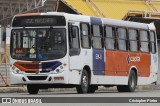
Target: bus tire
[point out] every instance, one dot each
(92, 88)
(132, 82)
(84, 85)
(32, 89)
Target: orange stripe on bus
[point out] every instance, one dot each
(28, 14)
(27, 66)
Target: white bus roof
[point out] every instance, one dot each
(105, 21)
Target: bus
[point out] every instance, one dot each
(61, 50)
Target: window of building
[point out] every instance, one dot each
(144, 42)
(85, 40)
(97, 37)
(133, 40)
(122, 39)
(110, 38)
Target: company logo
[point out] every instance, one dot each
(6, 100)
(20, 100)
(137, 58)
(133, 59)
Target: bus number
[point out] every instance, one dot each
(98, 56)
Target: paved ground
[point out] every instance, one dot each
(23, 89)
(100, 93)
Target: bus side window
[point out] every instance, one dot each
(74, 40)
(110, 38)
(122, 39)
(133, 39)
(97, 38)
(144, 41)
(85, 35)
(152, 42)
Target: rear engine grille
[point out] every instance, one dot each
(37, 77)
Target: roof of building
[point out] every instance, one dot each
(115, 9)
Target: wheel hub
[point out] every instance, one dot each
(132, 82)
(85, 81)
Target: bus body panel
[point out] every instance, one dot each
(98, 62)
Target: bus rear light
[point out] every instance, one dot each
(58, 78)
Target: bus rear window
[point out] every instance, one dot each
(33, 21)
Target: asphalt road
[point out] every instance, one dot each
(99, 93)
(102, 93)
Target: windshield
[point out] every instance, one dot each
(38, 44)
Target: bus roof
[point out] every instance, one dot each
(83, 18)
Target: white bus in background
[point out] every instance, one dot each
(65, 50)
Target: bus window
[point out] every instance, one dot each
(97, 37)
(18, 37)
(74, 42)
(38, 44)
(144, 44)
(122, 39)
(133, 42)
(85, 41)
(153, 42)
(110, 38)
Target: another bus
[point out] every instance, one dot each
(56, 50)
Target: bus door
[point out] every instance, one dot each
(154, 55)
(74, 46)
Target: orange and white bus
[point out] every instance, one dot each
(65, 50)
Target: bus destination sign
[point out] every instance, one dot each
(33, 21)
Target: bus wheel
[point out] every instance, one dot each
(32, 89)
(84, 85)
(132, 82)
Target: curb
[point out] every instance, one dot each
(23, 89)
